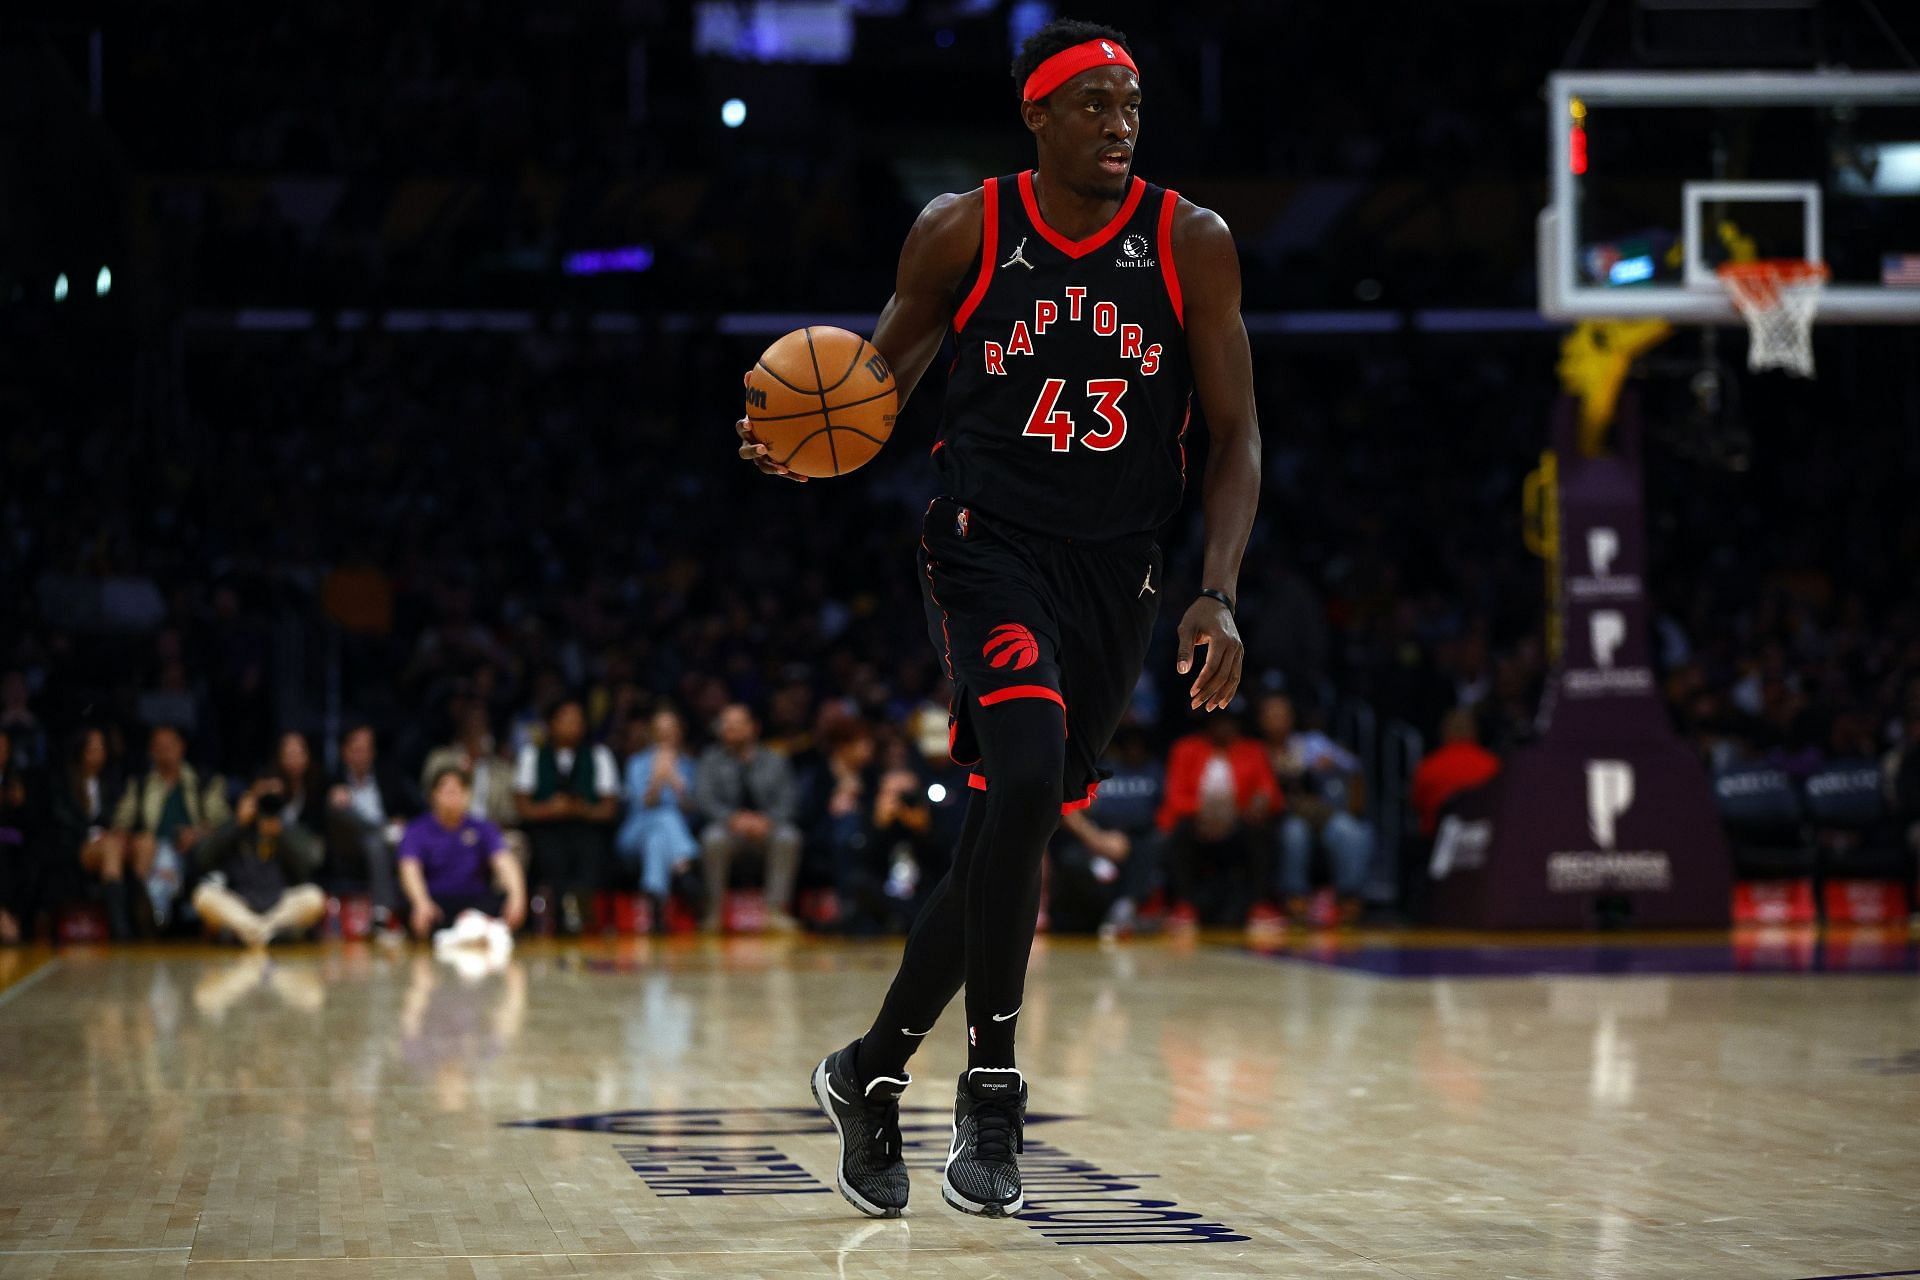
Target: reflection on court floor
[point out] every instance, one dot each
(1586, 1108)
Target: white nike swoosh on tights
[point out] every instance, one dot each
(916, 1034)
(1007, 1017)
(831, 1094)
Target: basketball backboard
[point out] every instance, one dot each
(1658, 178)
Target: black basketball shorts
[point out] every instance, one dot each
(1018, 615)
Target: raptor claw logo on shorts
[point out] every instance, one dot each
(1011, 645)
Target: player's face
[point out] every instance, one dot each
(1089, 132)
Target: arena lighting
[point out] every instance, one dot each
(1026, 17)
(103, 283)
(60, 287)
(936, 792)
(733, 113)
(597, 262)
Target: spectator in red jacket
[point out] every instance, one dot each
(1459, 764)
(1220, 802)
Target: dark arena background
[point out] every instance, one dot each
(1541, 907)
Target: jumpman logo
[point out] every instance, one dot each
(1146, 585)
(1019, 256)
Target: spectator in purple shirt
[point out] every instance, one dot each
(451, 861)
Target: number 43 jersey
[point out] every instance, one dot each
(1071, 386)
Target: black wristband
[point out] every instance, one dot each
(1213, 593)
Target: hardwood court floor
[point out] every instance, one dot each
(343, 1111)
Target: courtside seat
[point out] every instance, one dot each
(1761, 810)
(1854, 831)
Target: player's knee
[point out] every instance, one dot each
(1026, 754)
(1029, 793)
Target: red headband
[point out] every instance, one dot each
(1068, 63)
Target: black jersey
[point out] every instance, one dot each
(1071, 385)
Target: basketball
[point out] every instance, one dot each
(822, 401)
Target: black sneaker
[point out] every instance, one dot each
(983, 1167)
(870, 1174)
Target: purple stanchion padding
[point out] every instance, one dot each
(1609, 801)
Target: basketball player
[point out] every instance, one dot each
(1086, 307)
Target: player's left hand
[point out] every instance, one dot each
(1208, 622)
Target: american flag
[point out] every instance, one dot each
(1900, 269)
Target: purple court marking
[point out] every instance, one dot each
(1864, 1275)
(1614, 958)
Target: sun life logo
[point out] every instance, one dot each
(1134, 246)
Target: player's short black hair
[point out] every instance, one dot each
(1061, 33)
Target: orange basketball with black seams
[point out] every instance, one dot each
(822, 400)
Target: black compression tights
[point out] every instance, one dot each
(977, 926)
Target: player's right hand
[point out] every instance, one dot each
(751, 450)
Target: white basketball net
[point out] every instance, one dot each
(1779, 298)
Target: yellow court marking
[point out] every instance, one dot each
(20, 969)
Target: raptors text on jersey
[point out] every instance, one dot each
(1071, 385)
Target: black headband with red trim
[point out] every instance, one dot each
(1068, 63)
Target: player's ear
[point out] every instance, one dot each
(1033, 115)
